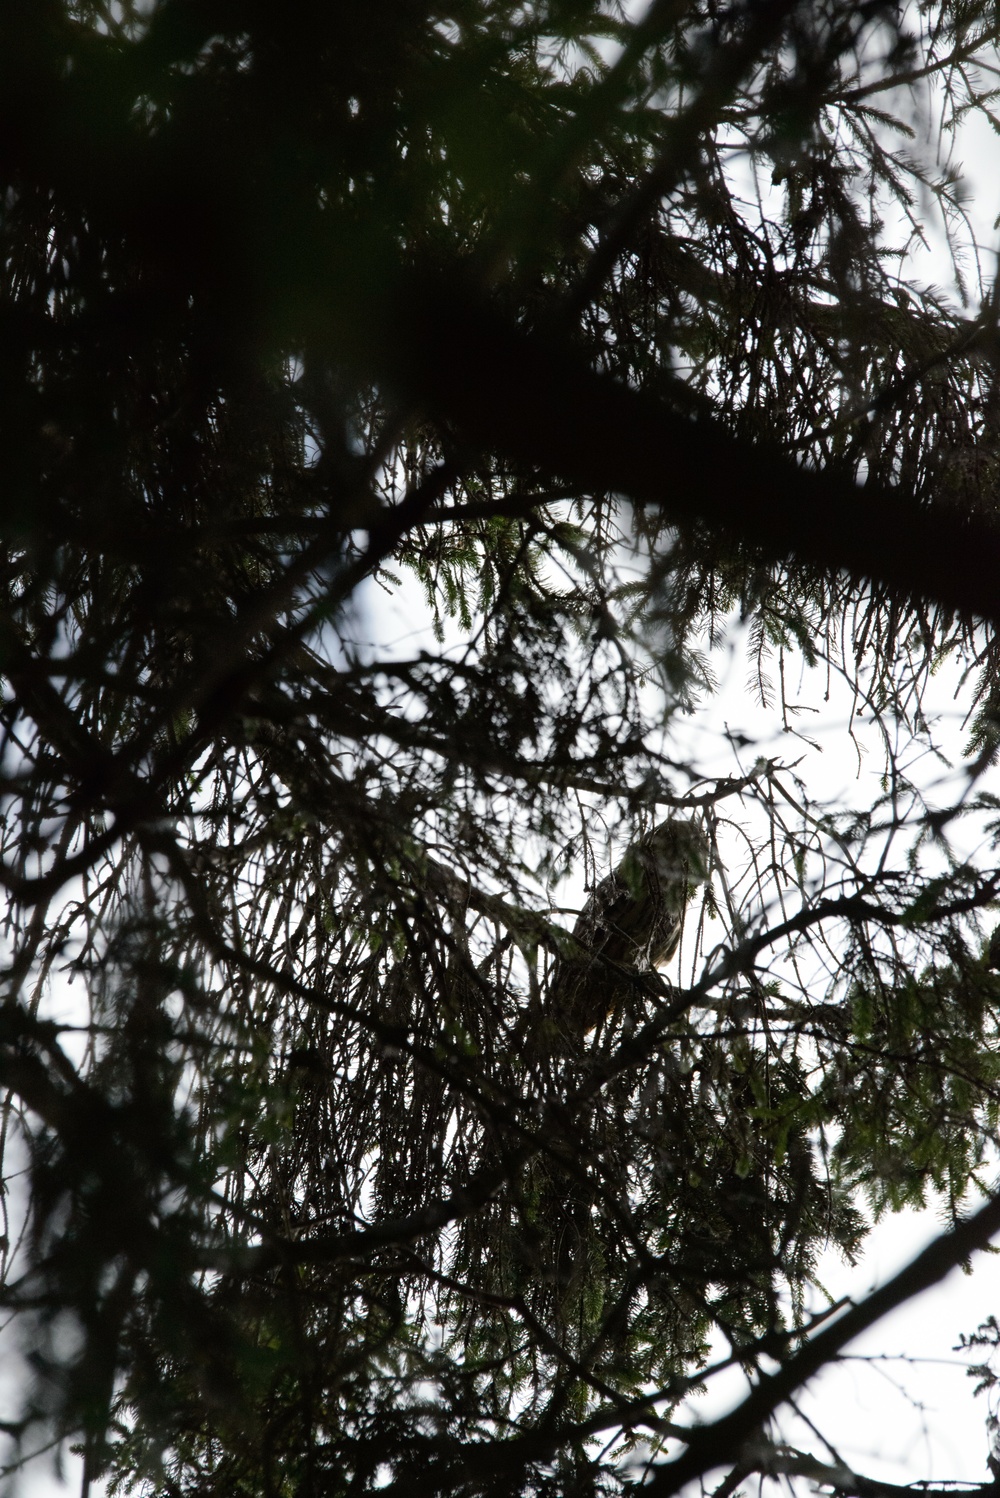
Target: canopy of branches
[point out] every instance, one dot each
(344, 1154)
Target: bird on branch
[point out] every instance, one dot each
(993, 952)
(631, 924)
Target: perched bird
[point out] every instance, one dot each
(631, 923)
(993, 951)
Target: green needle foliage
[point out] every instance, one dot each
(585, 336)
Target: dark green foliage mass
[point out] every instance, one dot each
(585, 336)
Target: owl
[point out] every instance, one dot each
(993, 952)
(631, 923)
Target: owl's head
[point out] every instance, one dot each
(680, 850)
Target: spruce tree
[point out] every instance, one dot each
(597, 337)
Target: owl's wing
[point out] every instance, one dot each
(604, 923)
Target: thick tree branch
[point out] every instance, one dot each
(535, 399)
(723, 1441)
(780, 1461)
